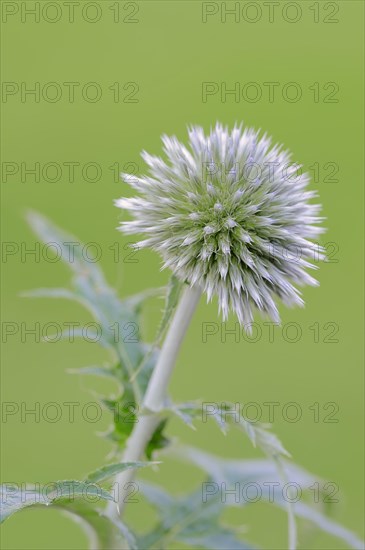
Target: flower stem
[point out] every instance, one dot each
(156, 392)
(292, 526)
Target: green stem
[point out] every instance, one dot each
(292, 526)
(156, 392)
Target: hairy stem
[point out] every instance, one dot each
(155, 393)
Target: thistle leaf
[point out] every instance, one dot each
(102, 532)
(266, 476)
(174, 288)
(188, 520)
(259, 434)
(112, 469)
(119, 320)
(69, 246)
(158, 440)
(14, 499)
(50, 293)
(95, 370)
(137, 301)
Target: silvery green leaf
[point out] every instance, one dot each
(259, 434)
(124, 407)
(70, 247)
(137, 301)
(187, 519)
(102, 532)
(265, 473)
(327, 525)
(158, 440)
(14, 499)
(129, 537)
(95, 370)
(72, 334)
(266, 440)
(50, 293)
(217, 538)
(187, 412)
(112, 469)
(172, 297)
(118, 319)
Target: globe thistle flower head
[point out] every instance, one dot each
(231, 214)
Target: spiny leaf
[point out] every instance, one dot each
(137, 301)
(70, 247)
(264, 473)
(328, 525)
(118, 320)
(124, 418)
(218, 538)
(259, 434)
(142, 378)
(50, 293)
(102, 532)
(188, 520)
(96, 371)
(158, 440)
(186, 412)
(126, 532)
(173, 292)
(71, 334)
(267, 441)
(111, 469)
(14, 499)
(172, 297)
(125, 409)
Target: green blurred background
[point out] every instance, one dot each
(168, 52)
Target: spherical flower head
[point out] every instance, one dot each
(230, 213)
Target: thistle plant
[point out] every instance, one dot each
(232, 218)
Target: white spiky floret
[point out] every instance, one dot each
(232, 215)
